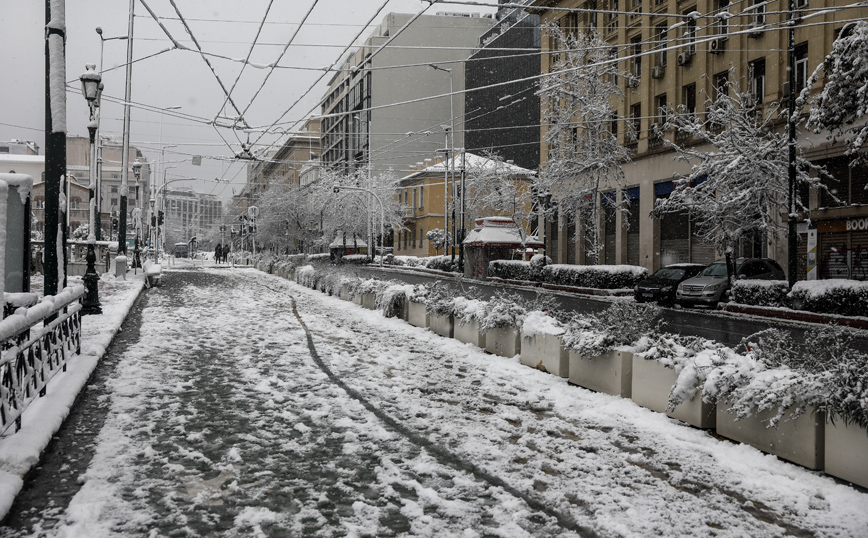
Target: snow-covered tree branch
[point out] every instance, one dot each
(584, 156)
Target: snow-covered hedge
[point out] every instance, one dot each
(438, 263)
(582, 276)
(392, 298)
(773, 374)
(834, 296)
(689, 356)
(307, 276)
(319, 258)
(760, 292)
(622, 324)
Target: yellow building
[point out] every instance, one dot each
(422, 194)
(677, 53)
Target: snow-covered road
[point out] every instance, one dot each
(235, 417)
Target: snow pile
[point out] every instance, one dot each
(537, 322)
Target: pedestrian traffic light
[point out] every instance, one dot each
(153, 221)
(160, 217)
(114, 224)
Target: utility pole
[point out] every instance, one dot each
(125, 160)
(792, 228)
(55, 145)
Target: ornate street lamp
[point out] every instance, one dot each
(91, 89)
(137, 216)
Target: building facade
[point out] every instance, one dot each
(678, 53)
(503, 108)
(388, 107)
(422, 195)
(284, 165)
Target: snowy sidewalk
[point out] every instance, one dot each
(20, 451)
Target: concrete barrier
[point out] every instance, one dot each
(467, 331)
(545, 352)
(799, 441)
(417, 314)
(611, 372)
(652, 383)
(503, 341)
(369, 301)
(846, 452)
(442, 325)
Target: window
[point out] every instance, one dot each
(612, 16)
(115, 203)
(74, 203)
(661, 32)
(636, 56)
(39, 203)
(613, 124)
(635, 121)
(757, 75)
(690, 31)
(660, 109)
(759, 13)
(800, 4)
(721, 24)
(721, 85)
(114, 190)
(688, 99)
(421, 197)
(801, 57)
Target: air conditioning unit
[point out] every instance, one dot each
(632, 81)
(658, 71)
(716, 46)
(684, 58)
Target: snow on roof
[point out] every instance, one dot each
(496, 231)
(22, 158)
(472, 161)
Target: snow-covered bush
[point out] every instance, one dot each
(833, 296)
(466, 309)
(319, 258)
(774, 374)
(392, 298)
(438, 299)
(509, 310)
(622, 324)
(333, 280)
(689, 356)
(539, 322)
(760, 292)
(607, 277)
(510, 269)
(442, 263)
(307, 276)
(355, 259)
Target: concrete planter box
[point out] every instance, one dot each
(611, 372)
(369, 301)
(800, 441)
(442, 325)
(468, 332)
(847, 452)
(417, 314)
(357, 299)
(503, 341)
(652, 383)
(545, 352)
(345, 292)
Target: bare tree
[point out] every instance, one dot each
(496, 187)
(842, 107)
(737, 188)
(584, 157)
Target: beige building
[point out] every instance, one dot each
(285, 164)
(422, 195)
(672, 59)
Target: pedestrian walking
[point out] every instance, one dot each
(225, 253)
(218, 253)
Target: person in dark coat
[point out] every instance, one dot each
(218, 253)
(225, 253)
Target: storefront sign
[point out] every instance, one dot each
(812, 255)
(857, 224)
(843, 225)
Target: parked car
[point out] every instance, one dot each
(711, 285)
(661, 285)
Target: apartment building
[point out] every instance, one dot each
(678, 53)
(285, 164)
(387, 106)
(503, 108)
(190, 214)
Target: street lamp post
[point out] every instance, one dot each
(91, 88)
(450, 142)
(122, 228)
(98, 218)
(137, 216)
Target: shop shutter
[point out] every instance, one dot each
(833, 255)
(859, 248)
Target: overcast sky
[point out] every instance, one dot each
(180, 77)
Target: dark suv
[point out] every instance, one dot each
(711, 285)
(661, 285)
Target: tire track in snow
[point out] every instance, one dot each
(443, 456)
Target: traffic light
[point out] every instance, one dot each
(114, 223)
(153, 221)
(160, 217)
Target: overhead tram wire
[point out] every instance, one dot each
(249, 53)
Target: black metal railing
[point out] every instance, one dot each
(33, 350)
